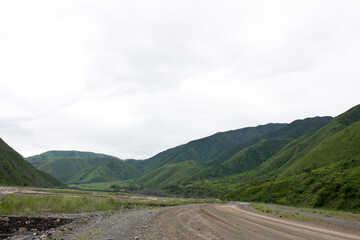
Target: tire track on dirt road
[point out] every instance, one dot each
(232, 221)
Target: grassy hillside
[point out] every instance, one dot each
(37, 159)
(334, 186)
(76, 167)
(85, 167)
(203, 150)
(64, 168)
(114, 170)
(183, 163)
(244, 160)
(15, 171)
(340, 146)
(321, 169)
(291, 159)
(291, 131)
(186, 160)
(250, 154)
(170, 174)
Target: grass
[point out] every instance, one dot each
(93, 234)
(34, 205)
(280, 213)
(338, 214)
(170, 174)
(332, 187)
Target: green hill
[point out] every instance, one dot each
(65, 168)
(205, 149)
(114, 170)
(290, 160)
(15, 171)
(244, 160)
(252, 153)
(291, 131)
(320, 169)
(170, 174)
(50, 155)
(183, 161)
(75, 167)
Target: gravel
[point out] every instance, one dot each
(107, 225)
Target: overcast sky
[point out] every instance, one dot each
(133, 78)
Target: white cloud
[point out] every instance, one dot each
(132, 78)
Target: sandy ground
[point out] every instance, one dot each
(18, 190)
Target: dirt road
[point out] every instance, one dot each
(231, 221)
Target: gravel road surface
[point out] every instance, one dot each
(231, 221)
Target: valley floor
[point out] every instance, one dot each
(197, 221)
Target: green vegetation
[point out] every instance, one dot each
(114, 170)
(118, 186)
(220, 155)
(65, 168)
(170, 174)
(334, 213)
(34, 205)
(318, 170)
(205, 149)
(244, 160)
(64, 154)
(280, 213)
(75, 168)
(91, 169)
(15, 171)
(219, 179)
(334, 186)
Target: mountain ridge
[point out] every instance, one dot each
(258, 163)
(15, 171)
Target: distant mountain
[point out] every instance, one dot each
(205, 149)
(114, 170)
(176, 164)
(320, 169)
(15, 171)
(170, 174)
(50, 155)
(246, 159)
(65, 168)
(198, 159)
(75, 167)
(250, 154)
(298, 155)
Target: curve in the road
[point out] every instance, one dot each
(233, 221)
